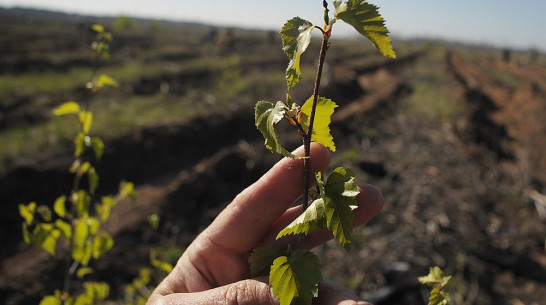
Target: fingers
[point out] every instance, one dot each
(247, 292)
(370, 202)
(244, 223)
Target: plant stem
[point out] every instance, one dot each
(308, 135)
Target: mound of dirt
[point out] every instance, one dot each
(454, 193)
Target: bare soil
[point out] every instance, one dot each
(464, 195)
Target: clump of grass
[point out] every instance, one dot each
(433, 96)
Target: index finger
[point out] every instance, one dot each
(248, 218)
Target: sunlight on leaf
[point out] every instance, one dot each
(59, 206)
(296, 36)
(27, 212)
(86, 119)
(365, 18)
(267, 115)
(313, 218)
(67, 108)
(321, 125)
(339, 192)
(296, 276)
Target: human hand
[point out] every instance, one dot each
(214, 268)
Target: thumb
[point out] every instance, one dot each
(246, 292)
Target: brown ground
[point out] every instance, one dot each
(463, 195)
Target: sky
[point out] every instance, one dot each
(501, 23)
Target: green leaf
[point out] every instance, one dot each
(296, 36)
(98, 147)
(321, 125)
(93, 179)
(435, 277)
(267, 115)
(85, 119)
(153, 220)
(45, 212)
(27, 212)
(81, 231)
(311, 219)
(59, 206)
(103, 209)
(365, 18)
(27, 236)
(158, 263)
(439, 297)
(339, 192)
(82, 200)
(101, 244)
(51, 300)
(127, 189)
(82, 253)
(45, 237)
(79, 145)
(97, 28)
(105, 80)
(96, 291)
(333, 210)
(260, 261)
(64, 227)
(82, 272)
(67, 108)
(296, 276)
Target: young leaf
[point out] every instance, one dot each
(365, 18)
(64, 227)
(51, 300)
(339, 193)
(296, 276)
(97, 28)
(127, 189)
(45, 212)
(296, 36)
(59, 206)
(103, 209)
(98, 147)
(323, 113)
(435, 277)
(313, 218)
(158, 263)
(85, 118)
(105, 80)
(101, 244)
(67, 108)
(79, 144)
(45, 237)
(82, 272)
(267, 115)
(260, 261)
(93, 178)
(27, 212)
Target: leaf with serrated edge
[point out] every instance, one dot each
(260, 261)
(296, 36)
(435, 277)
(296, 276)
(365, 18)
(321, 125)
(339, 193)
(267, 115)
(311, 219)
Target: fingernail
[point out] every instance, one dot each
(362, 303)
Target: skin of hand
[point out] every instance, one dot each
(214, 268)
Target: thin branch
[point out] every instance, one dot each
(308, 135)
